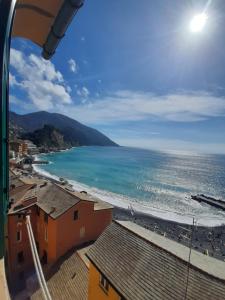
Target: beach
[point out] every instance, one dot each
(207, 240)
(149, 188)
(156, 183)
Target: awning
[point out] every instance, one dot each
(44, 22)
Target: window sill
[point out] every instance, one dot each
(104, 290)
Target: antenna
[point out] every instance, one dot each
(189, 258)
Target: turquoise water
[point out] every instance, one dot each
(154, 182)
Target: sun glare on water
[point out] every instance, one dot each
(198, 22)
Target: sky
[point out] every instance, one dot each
(134, 71)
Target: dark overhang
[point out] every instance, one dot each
(44, 22)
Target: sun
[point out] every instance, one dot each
(198, 22)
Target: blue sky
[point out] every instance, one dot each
(133, 70)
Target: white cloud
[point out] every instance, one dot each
(14, 100)
(73, 65)
(83, 39)
(43, 84)
(12, 80)
(83, 92)
(135, 106)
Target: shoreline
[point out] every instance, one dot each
(207, 240)
(125, 202)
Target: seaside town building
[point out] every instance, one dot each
(67, 219)
(32, 149)
(89, 257)
(45, 24)
(19, 147)
(61, 219)
(131, 262)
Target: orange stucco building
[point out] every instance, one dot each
(99, 287)
(61, 226)
(22, 195)
(61, 219)
(20, 147)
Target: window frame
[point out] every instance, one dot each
(20, 257)
(46, 234)
(104, 283)
(20, 236)
(46, 217)
(75, 215)
(38, 210)
(7, 11)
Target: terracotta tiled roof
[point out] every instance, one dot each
(68, 279)
(55, 199)
(15, 180)
(142, 265)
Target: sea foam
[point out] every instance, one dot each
(139, 206)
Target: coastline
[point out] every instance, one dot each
(123, 201)
(210, 240)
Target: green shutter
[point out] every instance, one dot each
(6, 17)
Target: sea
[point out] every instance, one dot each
(154, 182)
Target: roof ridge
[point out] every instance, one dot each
(65, 190)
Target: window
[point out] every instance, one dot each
(46, 218)
(20, 257)
(46, 234)
(104, 283)
(75, 215)
(38, 211)
(44, 259)
(19, 236)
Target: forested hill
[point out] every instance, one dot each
(73, 132)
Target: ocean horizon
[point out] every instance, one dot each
(149, 181)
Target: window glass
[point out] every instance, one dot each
(19, 236)
(75, 215)
(46, 218)
(104, 282)
(38, 211)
